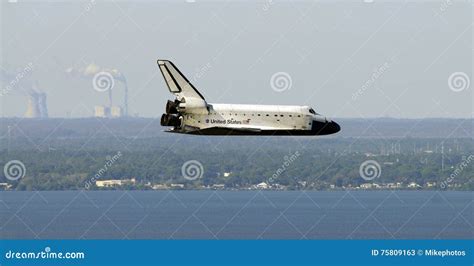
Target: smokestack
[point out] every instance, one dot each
(125, 100)
(110, 98)
(121, 77)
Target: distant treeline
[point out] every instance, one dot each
(66, 154)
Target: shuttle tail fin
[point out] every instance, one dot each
(177, 83)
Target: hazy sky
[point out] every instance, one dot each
(345, 58)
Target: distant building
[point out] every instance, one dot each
(279, 187)
(101, 111)
(178, 186)
(114, 182)
(159, 186)
(218, 186)
(5, 186)
(107, 112)
(116, 111)
(302, 183)
(262, 185)
(413, 185)
(394, 185)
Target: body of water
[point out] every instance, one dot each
(236, 215)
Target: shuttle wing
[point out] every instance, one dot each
(218, 131)
(226, 131)
(177, 82)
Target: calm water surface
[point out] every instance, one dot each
(236, 215)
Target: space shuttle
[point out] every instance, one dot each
(190, 113)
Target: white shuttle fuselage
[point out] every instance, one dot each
(191, 114)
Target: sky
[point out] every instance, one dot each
(357, 59)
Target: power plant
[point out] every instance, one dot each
(21, 80)
(103, 79)
(37, 107)
(108, 112)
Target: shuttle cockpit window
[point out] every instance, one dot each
(311, 110)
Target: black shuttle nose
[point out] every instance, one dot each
(334, 127)
(325, 128)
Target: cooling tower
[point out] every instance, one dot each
(33, 110)
(43, 108)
